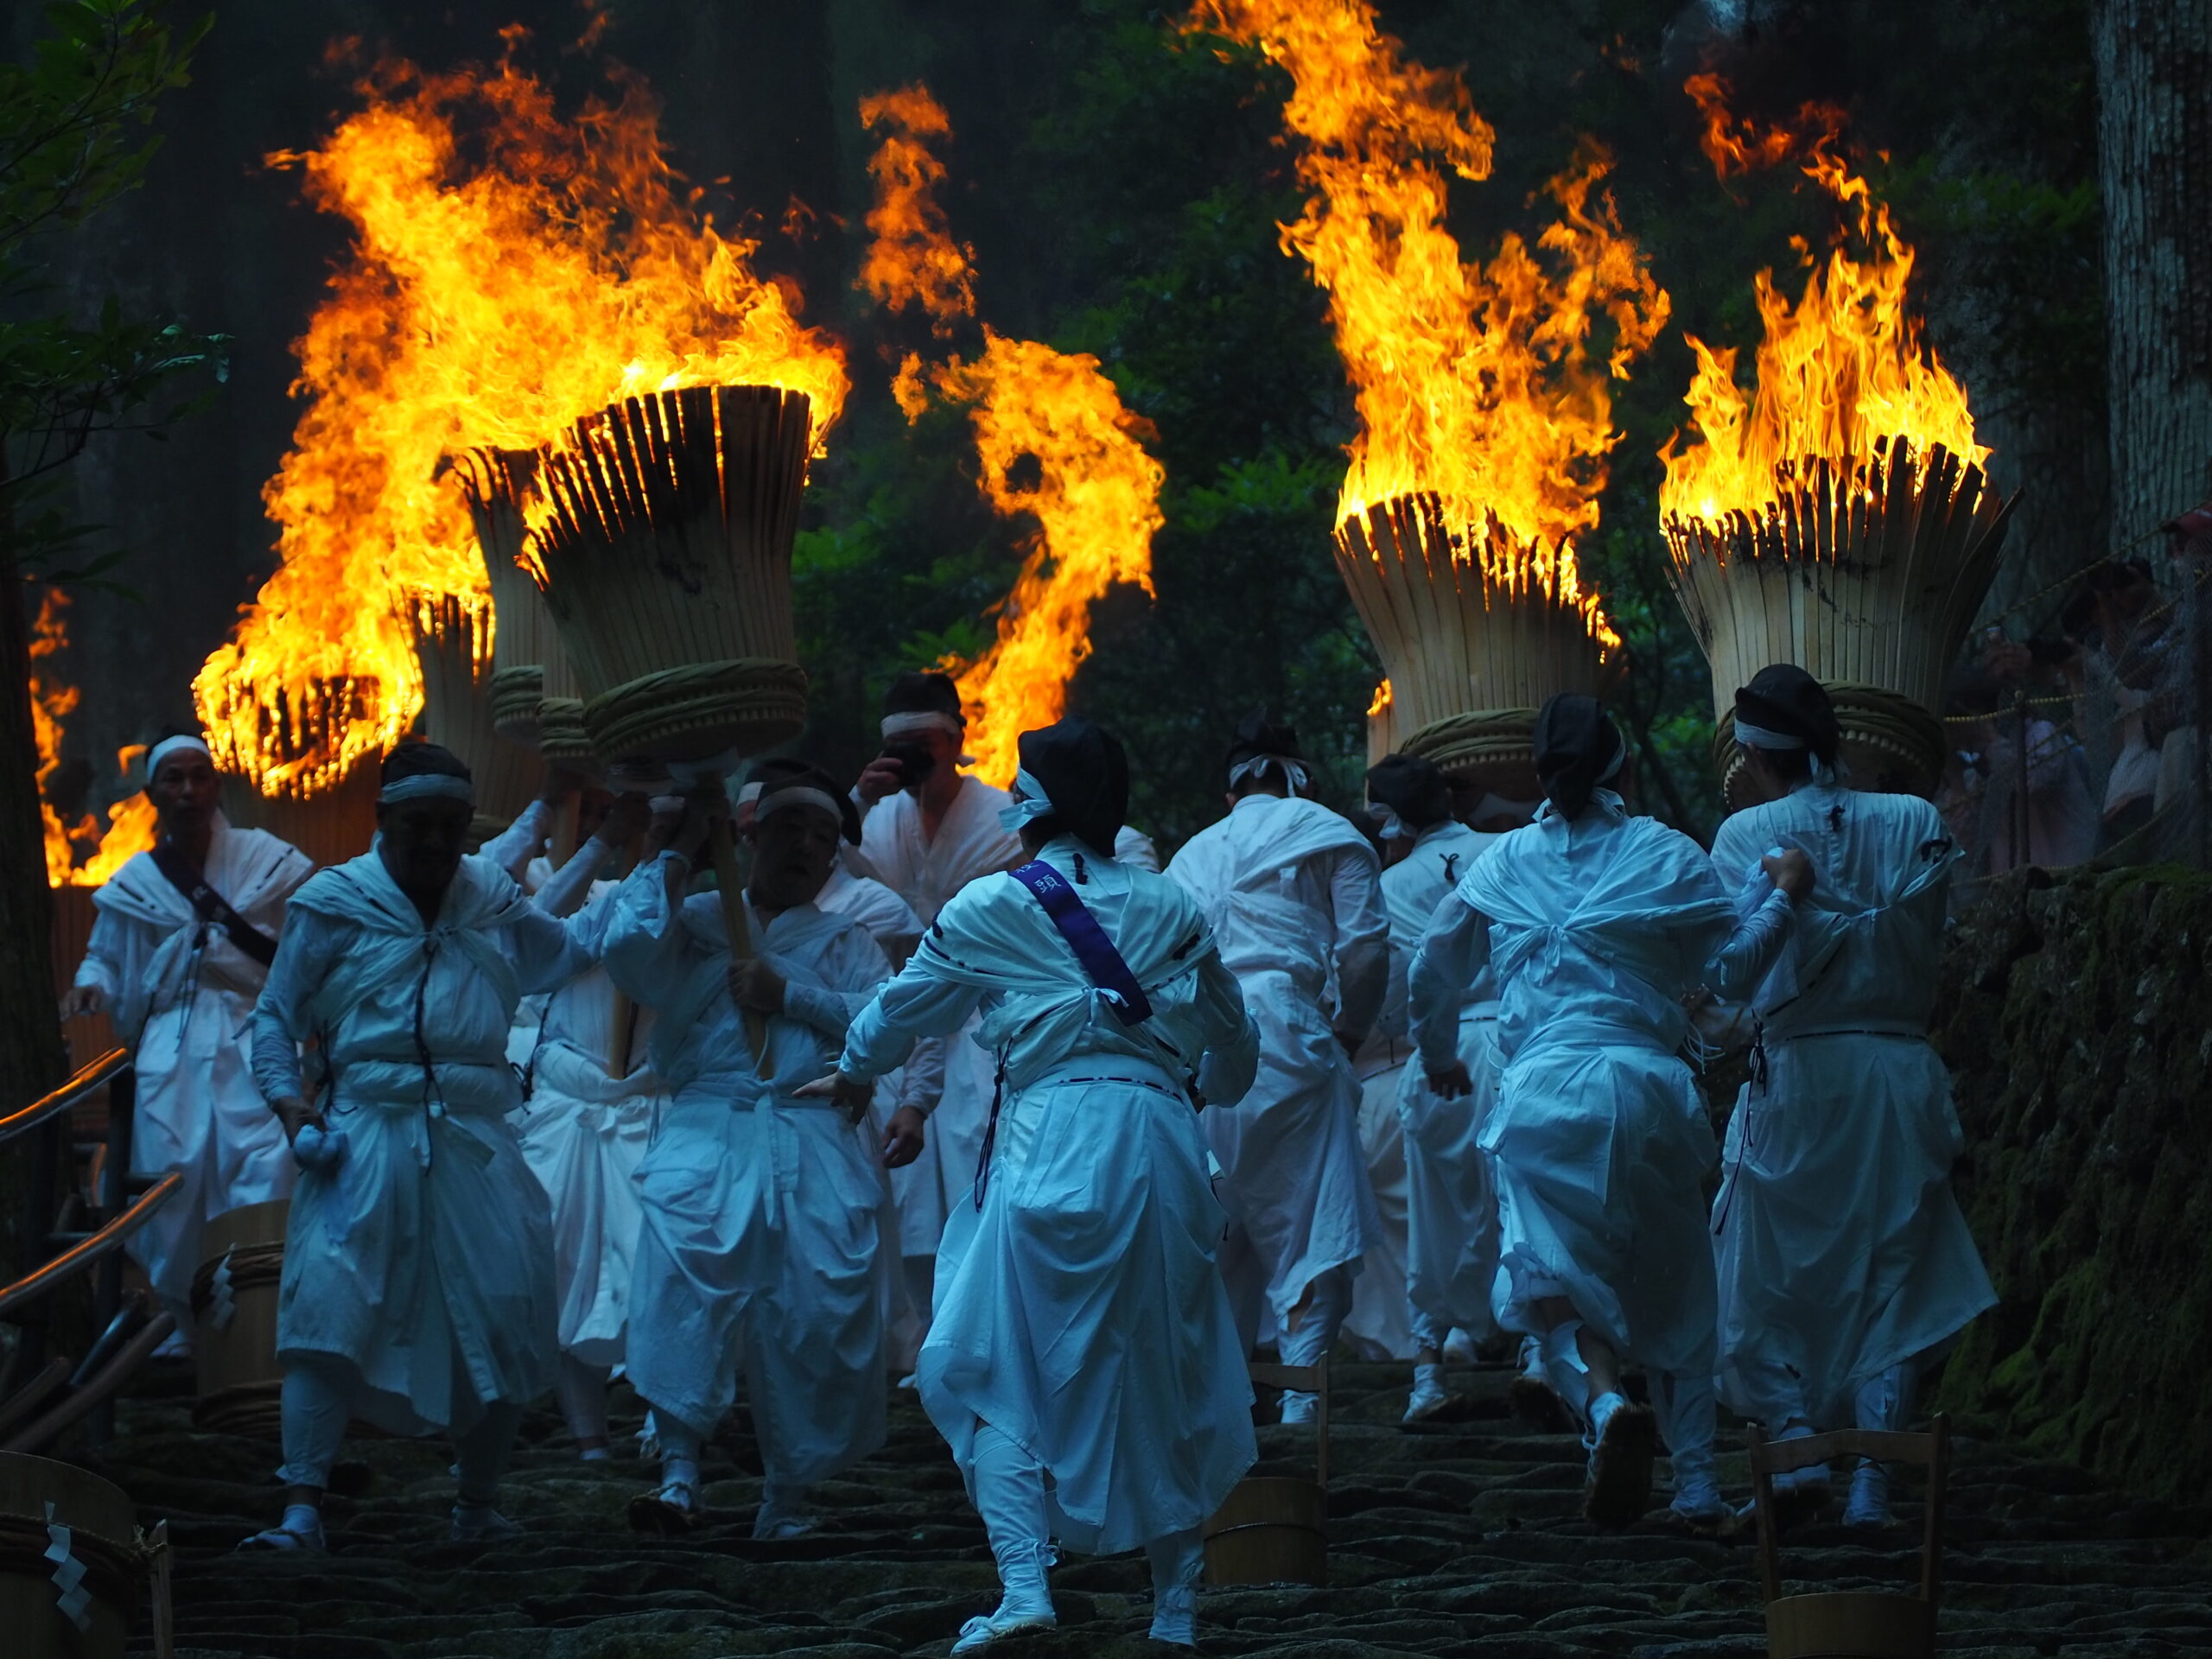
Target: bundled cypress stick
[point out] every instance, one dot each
(452, 645)
(667, 567)
(496, 482)
(1475, 630)
(1866, 574)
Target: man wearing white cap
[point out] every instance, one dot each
(418, 1268)
(1451, 1255)
(1844, 1261)
(763, 1213)
(1291, 890)
(180, 948)
(1084, 1365)
(927, 830)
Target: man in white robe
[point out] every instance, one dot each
(417, 1291)
(927, 830)
(1597, 924)
(1844, 1261)
(592, 1098)
(1290, 889)
(763, 1235)
(1451, 1254)
(1084, 1365)
(182, 938)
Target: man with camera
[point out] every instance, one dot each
(927, 831)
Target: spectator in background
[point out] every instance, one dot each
(2024, 793)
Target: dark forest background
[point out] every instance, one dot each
(1121, 186)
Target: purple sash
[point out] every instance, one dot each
(1092, 948)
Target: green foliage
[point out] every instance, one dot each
(75, 134)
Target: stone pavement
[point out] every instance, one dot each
(1460, 1538)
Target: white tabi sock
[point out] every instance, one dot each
(1177, 1562)
(1686, 1408)
(1566, 1373)
(1883, 1401)
(582, 1391)
(1009, 1487)
(1428, 1391)
(679, 1461)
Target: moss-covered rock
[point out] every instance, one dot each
(2077, 1022)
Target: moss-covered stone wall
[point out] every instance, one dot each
(2077, 1022)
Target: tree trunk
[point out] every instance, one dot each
(32, 1058)
(2154, 164)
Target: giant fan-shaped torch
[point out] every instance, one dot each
(513, 273)
(1485, 421)
(1837, 516)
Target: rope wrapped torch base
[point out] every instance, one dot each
(700, 710)
(516, 693)
(1891, 743)
(1485, 751)
(560, 734)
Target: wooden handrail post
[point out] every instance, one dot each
(107, 1296)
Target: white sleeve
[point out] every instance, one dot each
(1453, 952)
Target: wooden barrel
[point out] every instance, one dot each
(234, 1306)
(103, 1539)
(1270, 1529)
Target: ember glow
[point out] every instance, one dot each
(131, 821)
(1838, 372)
(1473, 381)
(512, 271)
(1054, 441)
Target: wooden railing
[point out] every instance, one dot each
(84, 1233)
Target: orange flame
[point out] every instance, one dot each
(1473, 381)
(1094, 492)
(1382, 701)
(130, 825)
(911, 257)
(1843, 370)
(511, 272)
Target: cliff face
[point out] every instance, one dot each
(2077, 1022)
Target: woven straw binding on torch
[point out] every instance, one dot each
(516, 693)
(560, 733)
(1493, 748)
(762, 700)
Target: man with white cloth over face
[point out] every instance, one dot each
(1290, 888)
(182, 937)
(1596, 924)
(763, 1234)
(418, 1269)
(1844, 1261)
(927, 830)
(1451, 1213)
(1083, 1364)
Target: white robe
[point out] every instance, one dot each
(926, 872)
(1451, 1255)
(425, 1259)
(1598, 1138)
(1290, 890)
(181, 995)
(765, 1215)
(1839, 1247)
(593, 1098)
(1080, 1310)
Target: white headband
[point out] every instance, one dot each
(1620, 759)
(1759, 737)
(1387, 823)
(797, 794)
(925, 720)
(1293, 770)
(1029, 803)
(749, 792)
(169, 746)
(425, 785)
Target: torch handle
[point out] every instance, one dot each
(722, 841)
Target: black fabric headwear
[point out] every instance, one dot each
(1258, 734)
(422, 760)
(1085, 773)
(1784, 698)
(1577, 745)
(1412, 787)
(919, 692)
(791, 773)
